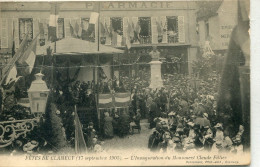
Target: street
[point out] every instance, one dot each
(130, 142)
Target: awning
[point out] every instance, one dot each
(73, 46)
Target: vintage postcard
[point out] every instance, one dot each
(125, 83)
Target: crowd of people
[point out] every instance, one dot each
(182, 114)
(184, 118)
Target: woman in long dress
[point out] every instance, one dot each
(108, 126)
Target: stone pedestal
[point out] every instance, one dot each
(156, 79)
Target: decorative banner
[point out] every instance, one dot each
(114, 100)
(122, 99)
(105, 101)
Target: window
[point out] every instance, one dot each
(86, 33)
(145, 30)
(172, 29)
(117, 32)
(60, 33)
(117, 24)
(25, 26)
(85, 23)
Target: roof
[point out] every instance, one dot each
(208, 9)
(74, 46)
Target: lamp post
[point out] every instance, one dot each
(38, 95)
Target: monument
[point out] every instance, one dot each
(156, 79)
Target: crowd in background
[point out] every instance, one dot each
(182, 115)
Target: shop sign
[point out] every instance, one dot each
(132, 5)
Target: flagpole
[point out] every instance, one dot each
(98, 21)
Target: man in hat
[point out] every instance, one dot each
(89, 135)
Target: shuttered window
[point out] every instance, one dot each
(117, 30)
(172, 29)
(4, 33)
(16, 32)
(145, 30)
(25, 26)
(60, 28)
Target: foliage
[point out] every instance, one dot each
(55, 132)
(204, 66)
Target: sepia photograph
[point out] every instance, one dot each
(119, 83)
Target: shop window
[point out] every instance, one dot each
(145, 30)
(60, 33)
(172, 29)
(25, 26)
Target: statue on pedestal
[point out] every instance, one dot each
(156, 79)
(155, 54)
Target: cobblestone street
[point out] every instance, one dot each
(130, 142)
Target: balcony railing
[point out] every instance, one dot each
(11, 130)
(145, 40)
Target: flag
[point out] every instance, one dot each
(27, 60)
(130, 35)
(80, 144)
(41, 30)
(13, 46)
(93, 19)
(54, 15)
(102, 29)
(72, 33)
(95, 13)
(10, 71)
(77, 29)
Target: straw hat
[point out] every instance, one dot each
(171, 113)
(191, 124)
(30, 146)
(219, 125)
(205, 115)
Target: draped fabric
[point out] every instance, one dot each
(229, 102)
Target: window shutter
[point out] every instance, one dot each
(125, 26)
(16, 32)
(164, 26)
(78, 20)
(107, 23)
(154, 30)
(67, 27)
(181, 30)
(35, 27)
(4, 33)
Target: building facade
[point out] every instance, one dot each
(169, 25)
(215, 22)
